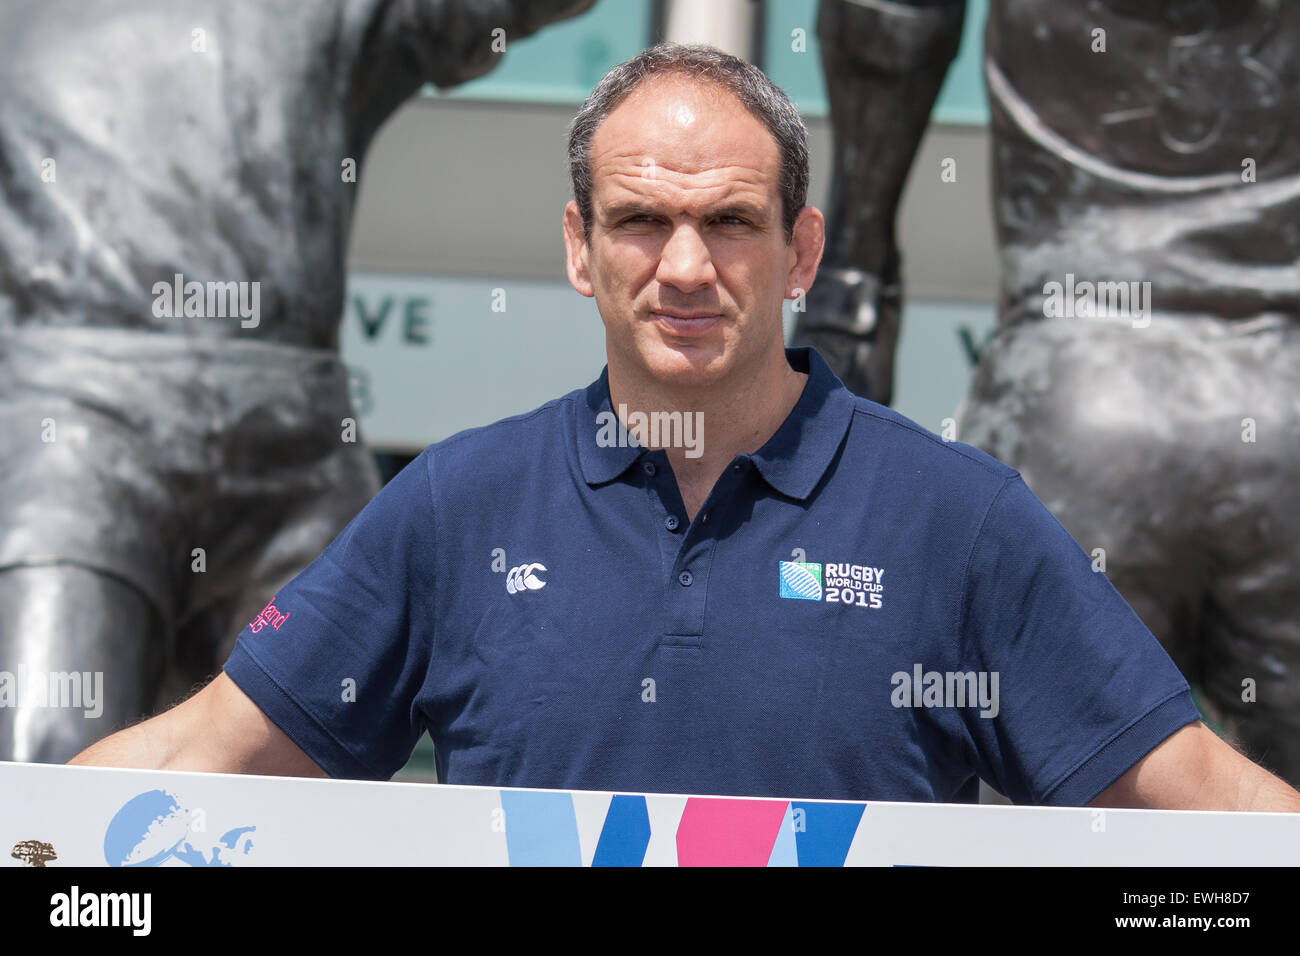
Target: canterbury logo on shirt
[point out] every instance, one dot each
(524, 578)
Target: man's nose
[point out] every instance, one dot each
(685, 262)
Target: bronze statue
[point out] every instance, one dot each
(177, 180)
(1145, 373)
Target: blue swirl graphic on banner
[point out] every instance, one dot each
(154, 826)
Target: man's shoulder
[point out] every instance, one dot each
(524, 443)
(918, 453)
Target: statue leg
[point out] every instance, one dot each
(288, 484)
(1252, 608)
(1253, 672)
(1069, 404)
(1135, 441)
(84, 651)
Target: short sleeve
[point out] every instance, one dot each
(338, 656)
(1085, 690)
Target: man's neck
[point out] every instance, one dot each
(718, 423)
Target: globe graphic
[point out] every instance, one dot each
(147, 830)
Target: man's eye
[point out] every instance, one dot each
(731, 220)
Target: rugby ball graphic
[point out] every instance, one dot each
(799, 582)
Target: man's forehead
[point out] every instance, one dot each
(676, 127)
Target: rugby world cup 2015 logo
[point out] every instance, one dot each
(860, 585)
(802, 580)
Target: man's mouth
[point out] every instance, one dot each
(686, 323)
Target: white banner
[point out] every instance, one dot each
(86, 816)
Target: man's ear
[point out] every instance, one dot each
(805, 254)
(576, 251)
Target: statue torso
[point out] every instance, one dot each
(1171, 157)
(141, 140)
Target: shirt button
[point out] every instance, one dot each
(649, 467)
(686, 578)
(671, 522)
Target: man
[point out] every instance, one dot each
(562, 608)
(148, 146)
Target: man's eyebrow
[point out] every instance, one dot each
(741, 210)
(620, 210)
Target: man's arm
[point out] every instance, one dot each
(219, 730)
(1192, 769)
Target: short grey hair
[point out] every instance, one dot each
(763, 98)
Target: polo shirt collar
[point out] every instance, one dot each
(602, 463)
(792, 461)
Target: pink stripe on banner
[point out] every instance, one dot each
(715, 832)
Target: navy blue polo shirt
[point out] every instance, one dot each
(859, 610)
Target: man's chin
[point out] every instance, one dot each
(692, 364)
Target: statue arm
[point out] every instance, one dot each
(408, 43)
(885, 61)
(454, 41)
